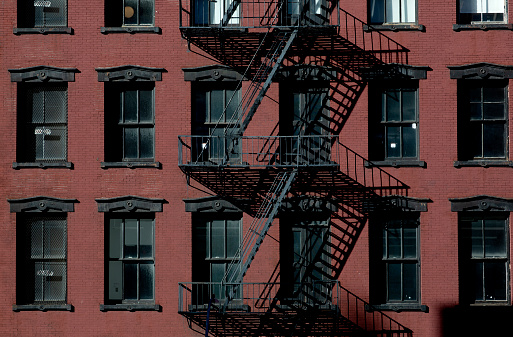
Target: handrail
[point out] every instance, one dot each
(299, 152)
(329, 295)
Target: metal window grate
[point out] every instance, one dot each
(42, 13)
(45, 261)
(44, 122)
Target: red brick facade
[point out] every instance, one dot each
(86, 49)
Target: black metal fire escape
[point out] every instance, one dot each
(259, 39)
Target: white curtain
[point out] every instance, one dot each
(481, 6)
(400, 11)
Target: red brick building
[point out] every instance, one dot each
(355, 155)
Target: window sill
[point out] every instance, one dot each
(483, 163)
(130, 307)
(482, 26)
(394, 27)
(42, 307)
(43, 165)
(396, 163)
(398, 307)
(131, 29)
(130, 164)
(43, 30)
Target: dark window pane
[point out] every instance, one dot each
(474, 138)
(297, 246)
(217, 236)
(493, 140)
(146, 238)
(410, 141)
(495, 281)
(296, 106)
(493, 110)
(493, 94)
(55, 105)
(393, 105)
(146, 146)
(410, 242)
(394, 242)
(232, 237)
(130, 106)
(409, 103)
(146, 106)
(55, 15)
(54, 281)
(115, 238)
(54, 143)
(131, 143)
(476, 232)
(36, 238)
(232, 102)
(410, 282)
(131, 13)
(474, 94)
(495, 238)
(377, 11)
(130, 281)
(115, 280)
(146, 12)
(394, 282)
(393, 142)
(130, 238)
(54, 239)
(38, 104)
(216, 106)
(146, 272)
(478, 281)
(475, 110)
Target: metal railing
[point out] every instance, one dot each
(193, 298)
(372, 41)
(300, 152)
(251, 14)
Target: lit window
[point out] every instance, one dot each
(393, 11)
(394, 121)
(478, 11)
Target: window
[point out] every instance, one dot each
(482, 119)
(215, 243)
(42, 13)
(393, 11)
(131, 259)
(42, 122)
(395, 269)
(313, 12)
(394, 121)
(130, 122)
(208, 12)
(120, 13)
(42, 259)
(215, 116)
(484, 258)
(478, 11)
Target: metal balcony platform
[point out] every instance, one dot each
(337, 312)
(324, 166)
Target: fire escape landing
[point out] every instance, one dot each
(258, 174)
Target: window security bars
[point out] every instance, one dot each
(43, 125)
(42, 13)
(42, 268)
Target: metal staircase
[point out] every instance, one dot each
(257, 231)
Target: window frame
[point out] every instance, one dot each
(26, 99)
(109, 300)
(115, 20)
(384, 22)
(465, 262)
(461, 21)
(27, 24)
(199, 261)
(379, 125)
(465, 120)
(209, 131)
